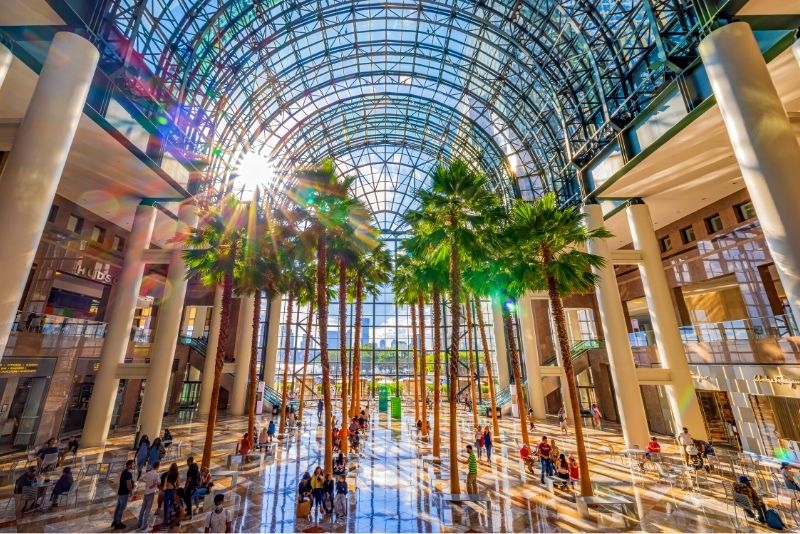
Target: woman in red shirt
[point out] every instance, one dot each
(653, 446)
(244, 445)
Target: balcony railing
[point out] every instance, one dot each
(56, 325)
(772, 327)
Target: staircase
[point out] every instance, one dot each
(578, 350)
(197, 357)
(502, 398)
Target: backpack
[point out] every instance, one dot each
(774, 520)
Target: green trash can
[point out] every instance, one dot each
(397, 408)
(383, 399)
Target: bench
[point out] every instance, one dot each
(552, 481)
(458, 498)
(625, 506)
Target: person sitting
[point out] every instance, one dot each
(743, 487)
(25, 499)
(203, 488)
(167, 441)
(263, 438)
(63, 485)
(304, 488)
(647, 460)
(355, 443)
(48, 448)
(419, 426)
(707, 453)
(72, 447)
(339, 466)
(527, 457)
(789, 476)
(653, 446)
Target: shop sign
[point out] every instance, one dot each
(18, 368)
(105, 277)
(780, 380)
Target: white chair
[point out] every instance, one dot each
(49, 462)
(71, 494)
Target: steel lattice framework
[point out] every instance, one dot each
(520, 88)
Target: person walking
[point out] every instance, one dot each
(271, 430)
(320, 408)
(151, 480)
(597, 417)
(531, 419)
(156, 452)
(562, 421)
(487, 443)
(340, 503)
(220, 519)
(124, 492)
(479, 440)
(472, 472)
(543, 451)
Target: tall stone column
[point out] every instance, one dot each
(632, 415)
(120, 321)
(681, 394)
(244, 338)
(207, 380)
(5, 62)
(33, 169)
(763, 141)
(501, 352)
(273, 333)
(162, 351)
(530, 350)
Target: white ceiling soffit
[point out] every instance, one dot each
(696, 167)
(27, 13)
(769, 7)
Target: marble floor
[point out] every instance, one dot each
(398, 487)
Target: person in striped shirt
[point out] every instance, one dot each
(472, 471)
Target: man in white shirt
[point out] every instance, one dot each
(151, 480)
(219, 520)
(684, 440)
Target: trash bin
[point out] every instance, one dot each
(397, 408)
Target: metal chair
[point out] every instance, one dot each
(49, 462)
(742, 501)
(72, 493)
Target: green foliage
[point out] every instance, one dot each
(216, 247)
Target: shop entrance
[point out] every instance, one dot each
(718, 417)
(22, 405)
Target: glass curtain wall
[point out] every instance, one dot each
(386, 342)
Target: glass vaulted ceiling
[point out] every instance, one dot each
(517, 88)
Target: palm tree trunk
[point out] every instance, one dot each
(251, 413)
(305, 358)
(487, 358)
(287, 348)
(355, 381)
(224, 326)
(343, 350)
(437, 350)
(563, 343)
(473, 389)
(322, 311)
(414, 379)
(423, 368)
(512, 349)
(455, 340)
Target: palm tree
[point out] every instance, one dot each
(213, 254)
(472, 378)
(371, 272)
(451, 217)
(305, 296)
(406, 293)
(478, 280)
(548, 255)
(260, 273)
(327, 207)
